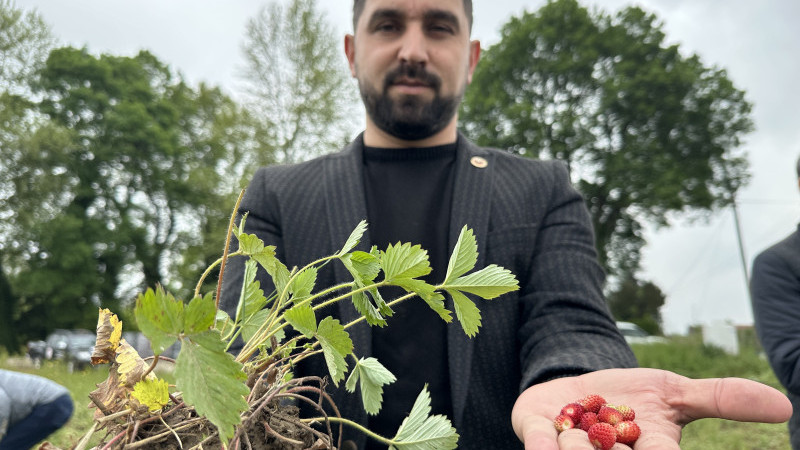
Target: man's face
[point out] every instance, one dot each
(413, 60)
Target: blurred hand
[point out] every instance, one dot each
(663, 401)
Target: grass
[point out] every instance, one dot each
(683, 355)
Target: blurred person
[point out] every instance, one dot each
(775, 295)
(31, 408)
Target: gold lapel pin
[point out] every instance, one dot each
(479, 162)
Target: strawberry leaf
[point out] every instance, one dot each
(160, 318)
(421, 431)
(152, 393)
(428, 294)
(372, 376)
(303, 284)
(211, 381)
(251, 297)
(302, 319)
(404, 261)
(336, 344)
(354, 239)
(488, 283)
(464, 256)
(467, 313)
(199, 314)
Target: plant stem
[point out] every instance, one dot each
(355, 425)
(208, 272)
(227, 245)
(390, 304)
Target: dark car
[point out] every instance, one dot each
(78, 354)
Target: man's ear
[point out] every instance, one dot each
(350, 52)
(474, 57)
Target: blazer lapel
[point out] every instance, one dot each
(346, 207)
(471, 204)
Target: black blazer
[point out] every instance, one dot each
(526, 217)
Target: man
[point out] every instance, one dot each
(31, 408)
(416, 179)
(775, 294)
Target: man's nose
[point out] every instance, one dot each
(413, 46)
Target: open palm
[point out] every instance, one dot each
(664, 402)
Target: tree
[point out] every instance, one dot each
(297, 83)
(647, 132)
(140, 171)
(25, 40)
(638, 302)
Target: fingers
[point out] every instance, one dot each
(734, 399)
(536, 432)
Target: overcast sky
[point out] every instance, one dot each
(696, 263)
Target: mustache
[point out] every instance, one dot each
(415, 73)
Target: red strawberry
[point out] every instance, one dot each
(563, 422)
(627, 412)
(574, 411)
(627, 432)
(592, 403)
(587, 420)
(602, 436)
(609, 415)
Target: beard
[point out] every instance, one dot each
(410, 117)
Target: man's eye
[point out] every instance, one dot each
(443, 29)
(386, 27)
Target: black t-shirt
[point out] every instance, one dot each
(409, 194)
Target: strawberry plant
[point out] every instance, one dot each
(223, 400)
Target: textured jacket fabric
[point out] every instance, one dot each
(526, 217)
(775, 293)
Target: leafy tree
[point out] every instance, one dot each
(139, 174)
(25, 40)
(297, 83)
(645, 130)
(638, 302)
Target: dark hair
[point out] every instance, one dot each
(358, 7)
(798, 168)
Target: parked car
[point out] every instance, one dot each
(79, 350)
(634, 334)
(58, 340)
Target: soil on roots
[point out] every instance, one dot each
(277, 427)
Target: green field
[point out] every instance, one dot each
(685, 356)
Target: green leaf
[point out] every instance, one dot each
(223, 322)
(251, 297)
(467, 313)
(199, 314)
(421, 431)
(251, 245)
(373, 377)
(160, 318)
(366, 308)
(152, 393)
(303, 283)
(212, 381)
(428, 294)
(336, 344)
(404, 261)
(464, 256)
(363, 266)
(302, 318)
(251, 325)
(354, 238)
(488, 283)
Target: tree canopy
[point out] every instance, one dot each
(646, 131)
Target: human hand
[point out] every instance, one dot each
(664, 402)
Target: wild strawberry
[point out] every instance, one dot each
(587, 420)
(627, 432)
(592, 403)
(602, 435)
(563, 422)
(627, 412)
(574, 411)
(609, 415)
